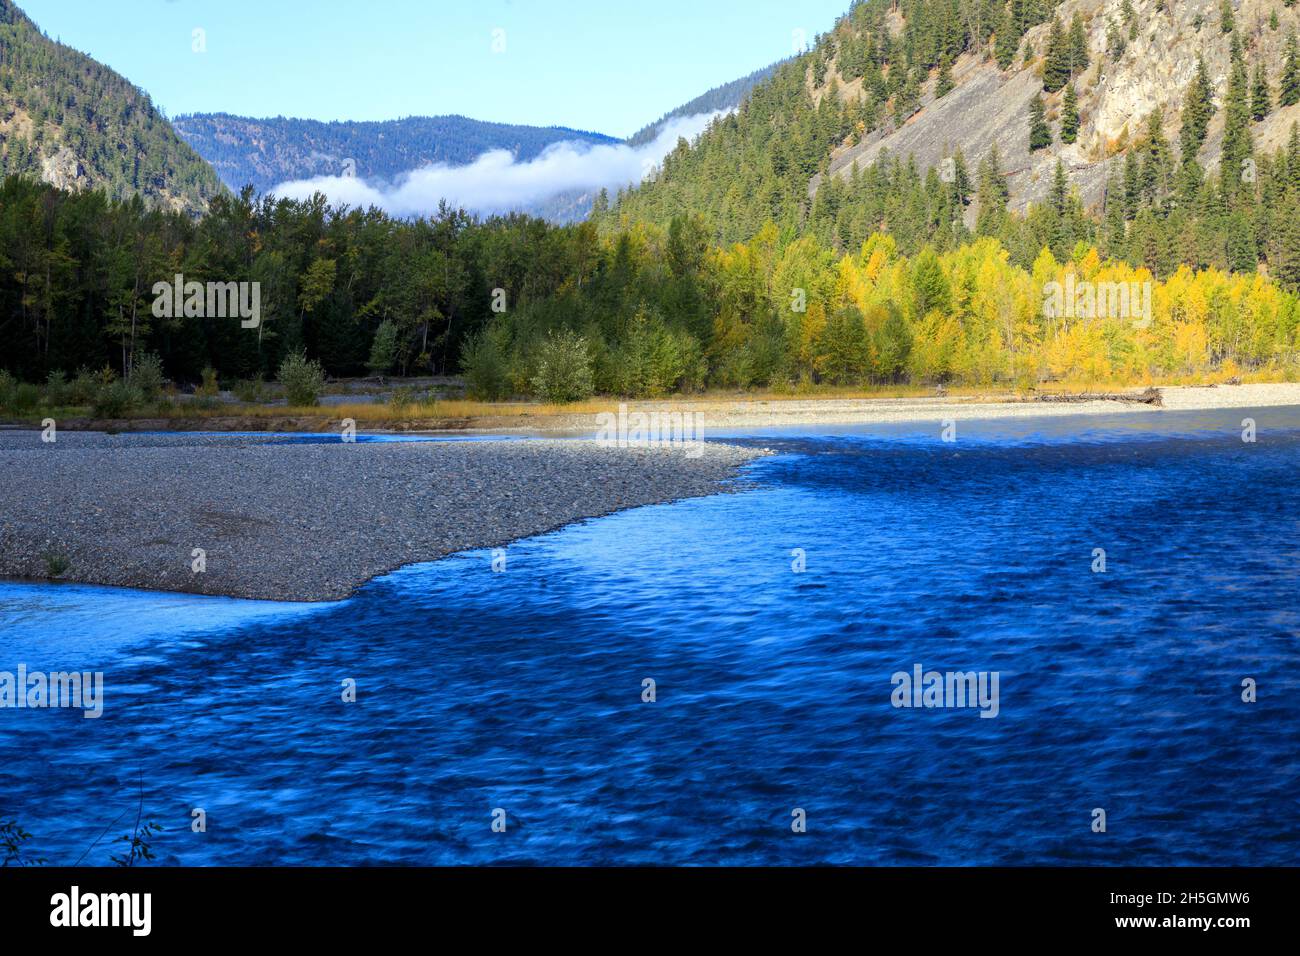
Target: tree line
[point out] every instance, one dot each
(526, 308)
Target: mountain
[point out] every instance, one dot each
(1143, 56)
(268, 152)
(902, 89)
(74, 123)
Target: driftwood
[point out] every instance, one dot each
(1150, 397)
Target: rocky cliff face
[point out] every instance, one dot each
(63, 170)
(1117, 93)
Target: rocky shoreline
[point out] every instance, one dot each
(313, 521)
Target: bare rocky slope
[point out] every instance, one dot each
(1116, 95)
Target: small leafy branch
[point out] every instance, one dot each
(138, 843)
(12, 838)
(138, 840)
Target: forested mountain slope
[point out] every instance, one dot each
(74, 123)
(903, 90)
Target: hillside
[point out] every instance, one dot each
(76, 124)
(268, 152)
(945, 86)
(1142, 56)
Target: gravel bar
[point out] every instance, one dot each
(308, 522)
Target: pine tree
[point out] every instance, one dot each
(1059, 196)
(1078, 47)
(1261, 97)
(1226, 21)
(1291, 72)
(1070, 115)
(1007, 41)
(1198, 109)
(1056, 68)
(992, 194)
(1293, 158)
(1040, 134)
(1116, 231)
(1237, 146)
(1158, 164)
(943, 85)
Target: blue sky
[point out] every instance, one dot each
(605, 65)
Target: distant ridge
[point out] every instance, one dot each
(268, 152)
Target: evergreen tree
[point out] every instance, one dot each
(1227, 23)
(1056, 67)
(1070, 115)
(1261, 97)
(943, 85)
(1078, 46)
(1040, 134)
(1007, 41)
(1237, 144)
(1290, 94)
(991, 195)
(1198, 109)
(1157, 166)
(961, 184)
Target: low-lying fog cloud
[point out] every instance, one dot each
(496, 183)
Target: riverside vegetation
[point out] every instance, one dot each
(714, 274)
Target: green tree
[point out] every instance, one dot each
(1198, 109)
(383, 349)
(1290, 93)
(1070, 115)
(1261, 97)
(1237, 146)
(1056, 67)
(1040, 134)
(943, 85)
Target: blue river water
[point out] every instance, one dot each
(771, 621)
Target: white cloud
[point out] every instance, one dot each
(496, 183)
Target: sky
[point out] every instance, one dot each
(610, 66)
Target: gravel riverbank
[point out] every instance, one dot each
(307, 522)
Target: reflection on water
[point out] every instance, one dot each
(522, 690)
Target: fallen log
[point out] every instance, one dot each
(1151, 396)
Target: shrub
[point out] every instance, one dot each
(563, 369)
(250, 390)
(82, 388)
(303, 379)
(56, 388)
(115, 399)
(210, 386)
(17, 397)
(403, 398)
(485, 366)
(147, 374)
